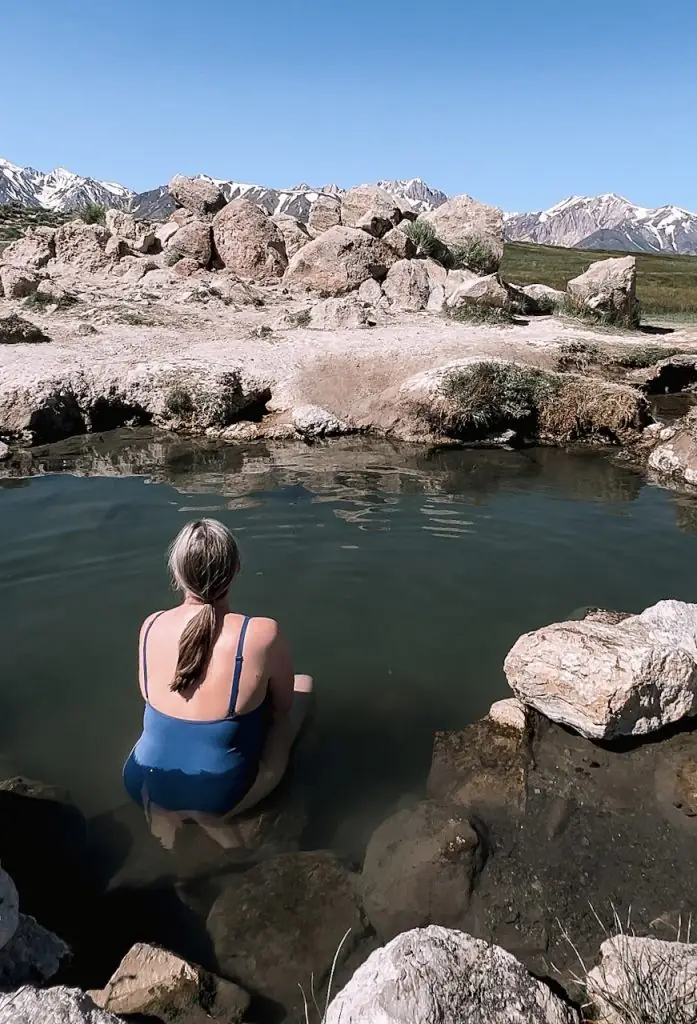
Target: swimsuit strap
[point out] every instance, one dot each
(144, 659)
(238, 666)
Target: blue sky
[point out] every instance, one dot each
(517, 103)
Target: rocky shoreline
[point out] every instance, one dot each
(369, 319)
(530, 840)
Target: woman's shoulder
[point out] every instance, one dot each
(263, 631)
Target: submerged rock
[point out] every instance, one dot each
(644, 979)
(420, 868)
(282, 921)
(609, 680)
(430, 975)
(156, 983)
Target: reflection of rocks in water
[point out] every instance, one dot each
(343, 470)
(685, 512)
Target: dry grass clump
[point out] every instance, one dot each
(574, 309)
(481, 313)
(584, 407)
(582, 356)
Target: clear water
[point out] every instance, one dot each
(402, 578)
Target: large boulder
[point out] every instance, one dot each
(325, 214)
(420, 868)
(339, 261)
(295, 235)
(644, 979)
(312, 422)
(400, 242)
(9, 908)
(608, 289)
(156, 983)
(471, 290)
(674, 458)
(138, 235)
(608, 680)
(166, 231)
(17, 283)
(52, 1006)
(544, 298)
(33, 250)
(82, 245)
(435, 975)
(341, 313)
(283, 921)
(248, 242)
(193, 241)
(407, 285)
(198, 195)
(463, 218)
(369, 199)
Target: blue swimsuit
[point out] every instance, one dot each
(183, 765)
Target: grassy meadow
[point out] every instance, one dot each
(666, 285)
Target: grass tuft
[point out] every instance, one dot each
(42, 300)
(489, 395)
(178, 402)
(427, 243)
(93, 213)
(475, 253)
(581, 356)
(575, 309)
(303, 318)
(481, 313)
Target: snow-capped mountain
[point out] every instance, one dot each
(58, 190)
(607, 222)
(421, 196)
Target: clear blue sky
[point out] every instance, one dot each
(517, 102)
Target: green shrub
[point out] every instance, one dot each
(475, 253)
(578, 310)
(426, 241)
(580, 356)
(490, 394)
(93, 213)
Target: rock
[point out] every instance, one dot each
(117, 247)
(401, 243)
(197, 195)
(376, 224)
(181, 216)
(33, 250)
(52, 1006)
(434, 975)
(248, 242)
(311, 421)
(165, 232)
(325, 214)
(370, 292)
(338, 314)
(478, 291)
(604, 681)
(83, 245)
(236, 292)
(544, 298)
(16, 283)
(608, 288)
(15, 330)
(156, 983)
(482, 767)
(339, 261)
(419, 869)
(186, 266)
(9, 905)
(510, 714)
(463, 217)
(407, 285)
(193, 241)
(295, 235)
(138, 267)
(56, 295)
(644, 979)
(4, 454)
(369, 199)
(437, 279)
(138, 235)
(33, 954)
(675, 457)
(283, 920)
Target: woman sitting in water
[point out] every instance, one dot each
(222, 706)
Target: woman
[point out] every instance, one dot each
(222, 706)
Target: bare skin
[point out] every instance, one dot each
(267, 667)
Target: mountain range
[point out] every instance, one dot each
(587, 222)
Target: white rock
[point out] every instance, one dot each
(313, 421)
(370, 291)
(463, 217)
(407, 285)
(655, 980)
(9, 900)
(4, 454)
(435, 975)
(509, 713)
(604, 680)
(340, 313)
(163, 232)
(478, 291)
(17, 283)
(608, 287)
(52, 1006)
